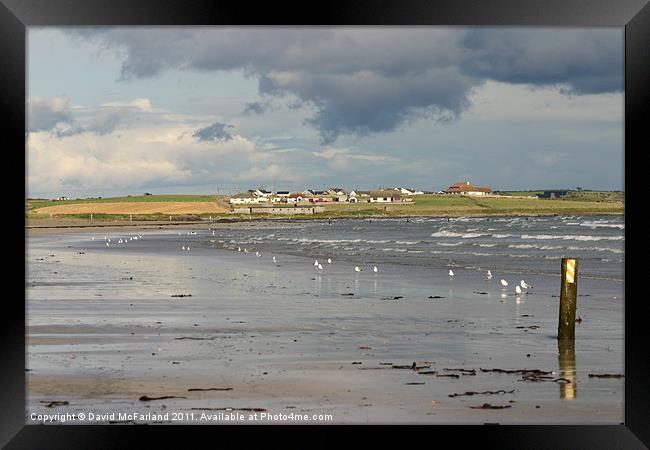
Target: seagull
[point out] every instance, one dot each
(93, 238)
(320, 267)
(258, 254)
(374, 269)
(108, 245)
(183, 247)
(356, 269)
(109, 239)
(275, 261)
(524, 285)
(504, 283)
(188, 248)
(239, 249)
(245, 251)
(488, 275)
(451, 273)
(518, 290)
(316, 263)
(329, 260)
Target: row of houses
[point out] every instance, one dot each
(332, 195)
(340, 195)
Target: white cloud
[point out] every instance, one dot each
(145, 153)
(143, 104)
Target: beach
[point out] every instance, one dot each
(217, 329)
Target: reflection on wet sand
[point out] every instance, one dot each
(567, 360)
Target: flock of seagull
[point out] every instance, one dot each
(318, 265)
(519, 289)
(120, 240)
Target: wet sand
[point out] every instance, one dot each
(104, 330)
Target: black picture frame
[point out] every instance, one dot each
(634, 15)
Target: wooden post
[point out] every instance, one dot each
(91, 217)
(568, 294)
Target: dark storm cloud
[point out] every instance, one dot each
(370, 80)
(43, 114)
(588, 61)
(215, 132)
(369, 103)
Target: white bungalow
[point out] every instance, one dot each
(246, 198)
(296, 197)
(385, 196)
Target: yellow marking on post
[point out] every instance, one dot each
(570, 270)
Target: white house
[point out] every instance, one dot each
(385, 196)
(246, 198)
(296, 197)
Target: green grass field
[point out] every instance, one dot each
(437, 205)
(590, 196)
(41, 203)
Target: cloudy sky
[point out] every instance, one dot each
(127, 110)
